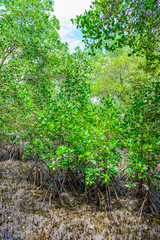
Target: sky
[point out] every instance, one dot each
(64, 10)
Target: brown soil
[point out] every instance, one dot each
(23, 217)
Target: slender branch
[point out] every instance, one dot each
(5, 57)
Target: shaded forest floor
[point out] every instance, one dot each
(24, 214)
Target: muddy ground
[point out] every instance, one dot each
(24, 214)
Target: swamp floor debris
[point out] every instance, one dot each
(22, 216)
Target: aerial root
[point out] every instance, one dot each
(102, 199)
(108, 194)
(115, 191)
(151, 205)
(28, 174)
(44, 182)
(133, 194)
(46, 196)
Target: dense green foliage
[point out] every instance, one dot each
(45, 91)
(119, 74)
(26, 46)
(141, 134)
(117, 23)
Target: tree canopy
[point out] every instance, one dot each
(115, 23)
(45, 95)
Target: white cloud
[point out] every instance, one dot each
(70, 8)
(66, 28)
(70, 34)
(64, 11)
(74, 43)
